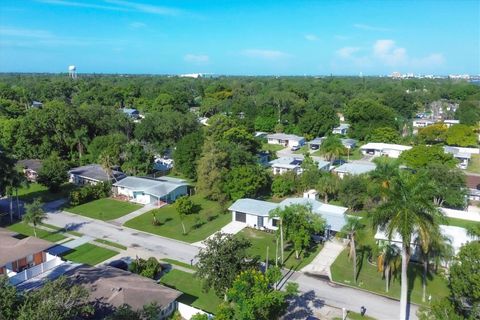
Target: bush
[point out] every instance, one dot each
(149, 268)
(90, 193)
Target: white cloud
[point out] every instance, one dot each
(367, 27)
(25, 33)
(196, 58)
(347, 52)
(265, 54)
(137, 25)
(389, 53)
(146, 8)
(311, 37)
(81, 4)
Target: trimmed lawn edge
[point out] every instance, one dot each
(111, 244)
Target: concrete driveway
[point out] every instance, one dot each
(233, 227)
(320, 266)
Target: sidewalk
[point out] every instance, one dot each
(320, 266)
(120, 221)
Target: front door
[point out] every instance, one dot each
(259, 222)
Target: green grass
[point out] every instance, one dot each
(272, 147)
(89, 254)
(356, 316)
(192, 290)
(461, 223)
(261, 239)
(35, 190)
(27, 230)
(170, 224)
(303, 149)
(178, 263)
(105, 209)
(111, 244)
(474, 164)
(370, 279)
(50, 226)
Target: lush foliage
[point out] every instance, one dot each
(149, 268)
(420, 156)
(89, 193)
(187, 153)
(53, 172)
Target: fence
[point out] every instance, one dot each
(35, 271)
(187, 311)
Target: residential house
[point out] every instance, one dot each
(36, 105)
(354, 168)
(383, 149)
(149, 190)
(163, 164)
(285, 164)
(463, 155)
(113, 287)
(30, 168)
(341, 129)
(255, 213)
(24, 258)
(349, 143)
(286, 140)
(450, 123)
(473, 185)
(131, 113)
(93, 174)
(260, 134)
(422, 123)
(316, 143)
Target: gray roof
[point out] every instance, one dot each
(287, 162)
(32, 164)
(96, 172)
(130, 111)
(356, 168)
(322, 164)
(342, 126)
(317, 140)
(351, 142)
(13, 249)
(283, 136)
(154, 187)
(252, 206)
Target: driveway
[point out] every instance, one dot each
(233, 227)
(325, 258)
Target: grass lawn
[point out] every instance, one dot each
(303, 149)
(355, 154)
(104, 209)
(474, 164)
(261, 239)
(356, 316)
(178, 263)
(50, 226)
(27, 230)
(192, 290)
(35, 190)
(111, 244)
(272, 147)
(171, 226)
(370, 279)
(461, 223)
(89, 254)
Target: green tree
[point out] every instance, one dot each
(310, 173)
(81, 140)
(353, 191)
(136, 160)
(328, 185)
(53, 172)
(407, 209)
(222, 259)
(319, 122)
(449, 185)
(149, 268)
(433, 134)
(385, 135)
(421, 155)
(10, 299)
(111, 145)
(468, 112)
(184, 207)
(331, 148)
(187, 153)
(461, 135)
(352, 229)
(284, 184)
(245, 181)
(388, 261)
(34, 214)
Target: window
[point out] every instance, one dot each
(240, 216)
(275, 222)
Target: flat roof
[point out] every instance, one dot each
(252, 206)
(13, 249)
(284, 136)
(356, 168)
(384, 146)
(154, 187)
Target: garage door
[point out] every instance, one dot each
(240, 216)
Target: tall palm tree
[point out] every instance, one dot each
(386, 170)
(352, 230)
(328, 184)
(34, 214)
(388, 261)
(331, 148)
(406, 210)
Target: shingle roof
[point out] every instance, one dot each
(13, 249)
(32, 164)
(356, 168)
(154, 187)
(95, 172)
(252, 206)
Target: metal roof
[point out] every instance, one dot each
(384, 146)
(252, 206)
(356, 168)
(283, 136)
(154, 187)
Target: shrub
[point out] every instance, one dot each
(90, 193)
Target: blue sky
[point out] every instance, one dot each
(241, 37)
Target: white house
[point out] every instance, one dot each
(341, 129)
(422, 123)
(93, 174)
(354, 168)
(287, 140)
(450, 123)
(150, 191)
(463, 155)
(255, 213)
(285, 164)
(383, 149)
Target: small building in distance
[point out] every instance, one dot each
(341, 129)
(36, 105)
(149, 190)
(30, 168)
(422, 123)
(93, 174)
(131, 113)
(354, 168)
(285, 164)
(383, 149)
(286, 140)
(450, 123)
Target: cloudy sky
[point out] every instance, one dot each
(241, 37)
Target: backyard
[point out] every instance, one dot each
(199, 226)
(261, 239)
(370, 279)
(192, 290)
(35, 190)
(104, 209)
(89, 254)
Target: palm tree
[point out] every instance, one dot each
(406, 210)
(81, 140)
(331, 148)
(106, 162)
(388, 261)
(34, 214)
(351, 229)
(386, 170)
(278, 214)
(328, 184)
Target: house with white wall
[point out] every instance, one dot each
(341, 129)
(383, 149)
(286, 164)
(286, 140)
(354, 168)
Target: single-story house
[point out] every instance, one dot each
(255, 213)
(287, 140)
(450, 123)
(285, 164)
(115, 287)
(149, 190)
(132, 113)
(30, 168)
(383, 149)
(260, 134)
(316, 143)
(354, 168)
(463, 155)
(341, 129)
(422, 123)
(349, 143)
(93, 174)
(23, 259)
(36, 105)
(473, 185)
(163, 164)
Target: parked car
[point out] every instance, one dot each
(314, 147)
(295, 148)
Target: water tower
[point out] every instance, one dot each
(72, 72)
